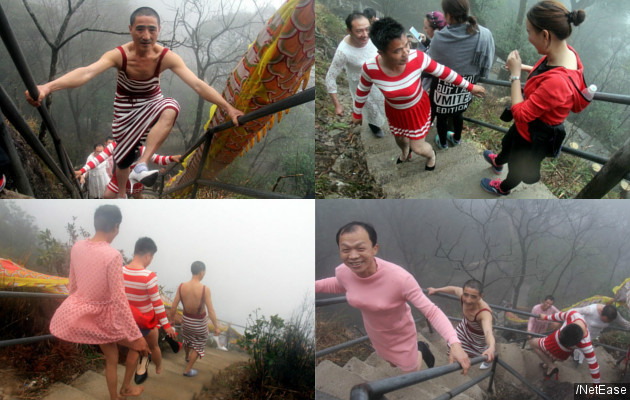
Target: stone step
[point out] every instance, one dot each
(61, 391)
(457, 175)
(335, 381)
(170, 384)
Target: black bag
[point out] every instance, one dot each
(506, 115)
(547, 139)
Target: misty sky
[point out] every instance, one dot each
(258, 253)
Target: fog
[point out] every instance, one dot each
(520, 250)
(258, 253)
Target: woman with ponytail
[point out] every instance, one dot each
(554, 86)
(468, 48)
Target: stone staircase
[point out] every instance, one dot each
(457, 175)
(170, 384)
(335, 382)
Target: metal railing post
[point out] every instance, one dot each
(493, 371)
(19, 60)
(10, 111)
(21, 180)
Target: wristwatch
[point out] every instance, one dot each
(514, 78)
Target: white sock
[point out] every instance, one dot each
(140, 167)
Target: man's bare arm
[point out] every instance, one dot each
(456, 290)
(207, 92)
(77, 77)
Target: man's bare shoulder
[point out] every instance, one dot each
(114, 56)
(171, 59)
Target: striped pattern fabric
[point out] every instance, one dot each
(407, 105)
(108, 151)
(195, 332)
(137, 106)
(551, 344)
(472, 337)
(113, 182)
(143, 293)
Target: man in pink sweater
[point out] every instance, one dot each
(381, 291)
(543, 327)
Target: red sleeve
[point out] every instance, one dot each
(543, 97)
(154, 294)
(444, 73)
(591, 359)
(557, 317)
(363, 90)
(161, 160)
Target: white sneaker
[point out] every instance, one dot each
(147, 178)
(485, 365)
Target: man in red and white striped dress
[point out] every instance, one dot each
(475, 329)
(141, 288)
(141, 112)
(560, 344)
(111, 192)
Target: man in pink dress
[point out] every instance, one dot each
(381, 291)
(96, 310)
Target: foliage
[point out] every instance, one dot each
(282, 354)
(55, 255)
(18, 233)
(40, 364)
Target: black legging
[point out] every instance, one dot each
(442, 126)
(523, 158)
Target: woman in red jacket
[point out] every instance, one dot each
(554, 87)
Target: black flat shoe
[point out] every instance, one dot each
(426, 167)
(142, 370)
(427, 356)
(399, 161)
(175, 345)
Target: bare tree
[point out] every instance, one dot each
(218, 36)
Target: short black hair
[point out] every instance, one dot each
(352, 16)
(145, 245)
(570, 335)
(384, 31)
(107, 217)
(352, 227)
(549, 297)
(97, 144)
(144, 11)
(610, 312)
(473, 284)
(197, 267)
(369, 13)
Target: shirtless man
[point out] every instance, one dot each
(195, 299)
(475, 330)
(140, 110)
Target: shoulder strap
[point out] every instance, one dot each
(124, 56)
(157, 68)
(203, 300)
(483, 309)
(179, 292)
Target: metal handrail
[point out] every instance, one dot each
(601, 96)
(297, 99)
(350, 343)
(376, 389)
(585, 155)
(342, 299)
(22, 66)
